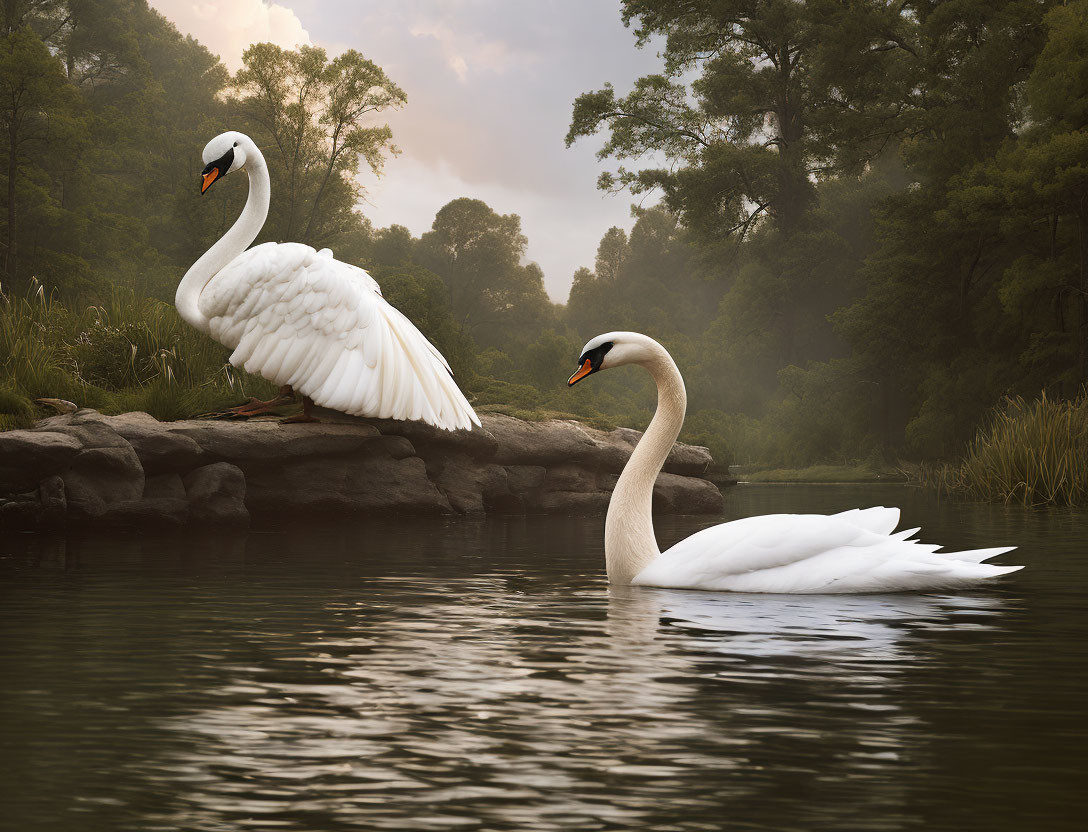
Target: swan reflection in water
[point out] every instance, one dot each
(847, 627)
(569, 708)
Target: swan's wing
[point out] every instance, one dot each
(879, 519)
(816, 553)
(297, 316)
(743, 546)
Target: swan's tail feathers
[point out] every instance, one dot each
(906, 534)
(877, 519)
(971, 573)
(967, 568)
(1001, 570)
(980, 555)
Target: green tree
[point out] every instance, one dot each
(595, 296)
(308, 112)
(929, 325)
(1043, 178)
(784, 92)
(36, 110)
(392, 246)
(478, 253)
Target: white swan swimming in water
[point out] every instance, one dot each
(308, 322)
(855, 551)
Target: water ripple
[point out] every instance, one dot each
(482, 676)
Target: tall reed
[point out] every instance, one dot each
(126, 353)
(1031, 452)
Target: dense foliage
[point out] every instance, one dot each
(889, 199)
(873, 223)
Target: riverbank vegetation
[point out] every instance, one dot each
(127, 353)
(1034, 453)
(870, 228)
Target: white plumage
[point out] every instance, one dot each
(855, 551)
(299, 317)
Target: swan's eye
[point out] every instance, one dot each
(236, 144)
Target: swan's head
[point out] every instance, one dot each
(614, 349)
(224, 154)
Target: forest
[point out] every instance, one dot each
(863, 230)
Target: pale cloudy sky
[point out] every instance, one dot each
(490, 85)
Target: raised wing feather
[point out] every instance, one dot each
(299, 317)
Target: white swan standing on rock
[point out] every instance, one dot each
(855, 551)
(308, 322)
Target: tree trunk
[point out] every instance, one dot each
(333, 154)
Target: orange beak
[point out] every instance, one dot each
(209, 177)
(583, 371)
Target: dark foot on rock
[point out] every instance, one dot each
(254, 406)
(305, 416)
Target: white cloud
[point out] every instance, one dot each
(227, 27)
(467, 51)
(490, 85)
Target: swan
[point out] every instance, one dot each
(856, 551)
(307, 321)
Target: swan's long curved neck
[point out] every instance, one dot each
(230, 245)
(629, 542)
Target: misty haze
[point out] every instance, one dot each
(632, 414)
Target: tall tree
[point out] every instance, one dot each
(478, 253)
(36, 106)
(784, 92)
(312, 114)
(1044, 180)
(929, 326)
(594, 298)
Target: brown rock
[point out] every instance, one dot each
(347, 484)
(525, 478)
(674, 494)
(54, 503)
(20, 514)
(471, 486)
(160, 449)
(216, 495)
(256, 441)
(538, 443)
(689, 460)
(28, 455)
(168, 486)
(570, 477)
(100, 477)
(570, 502)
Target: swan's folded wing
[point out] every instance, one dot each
(813, 553)
(771, 541)
(299, 317)
(879, 519)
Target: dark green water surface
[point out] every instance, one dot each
(480, 675)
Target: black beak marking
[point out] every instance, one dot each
(216, 170)
(589, 363)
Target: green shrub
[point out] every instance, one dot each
(1031, 452)
(128, 353)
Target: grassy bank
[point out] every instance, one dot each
(1031, 452)
(129, 353)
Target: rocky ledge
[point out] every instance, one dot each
(85, 468)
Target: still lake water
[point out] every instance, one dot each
(480, 675)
